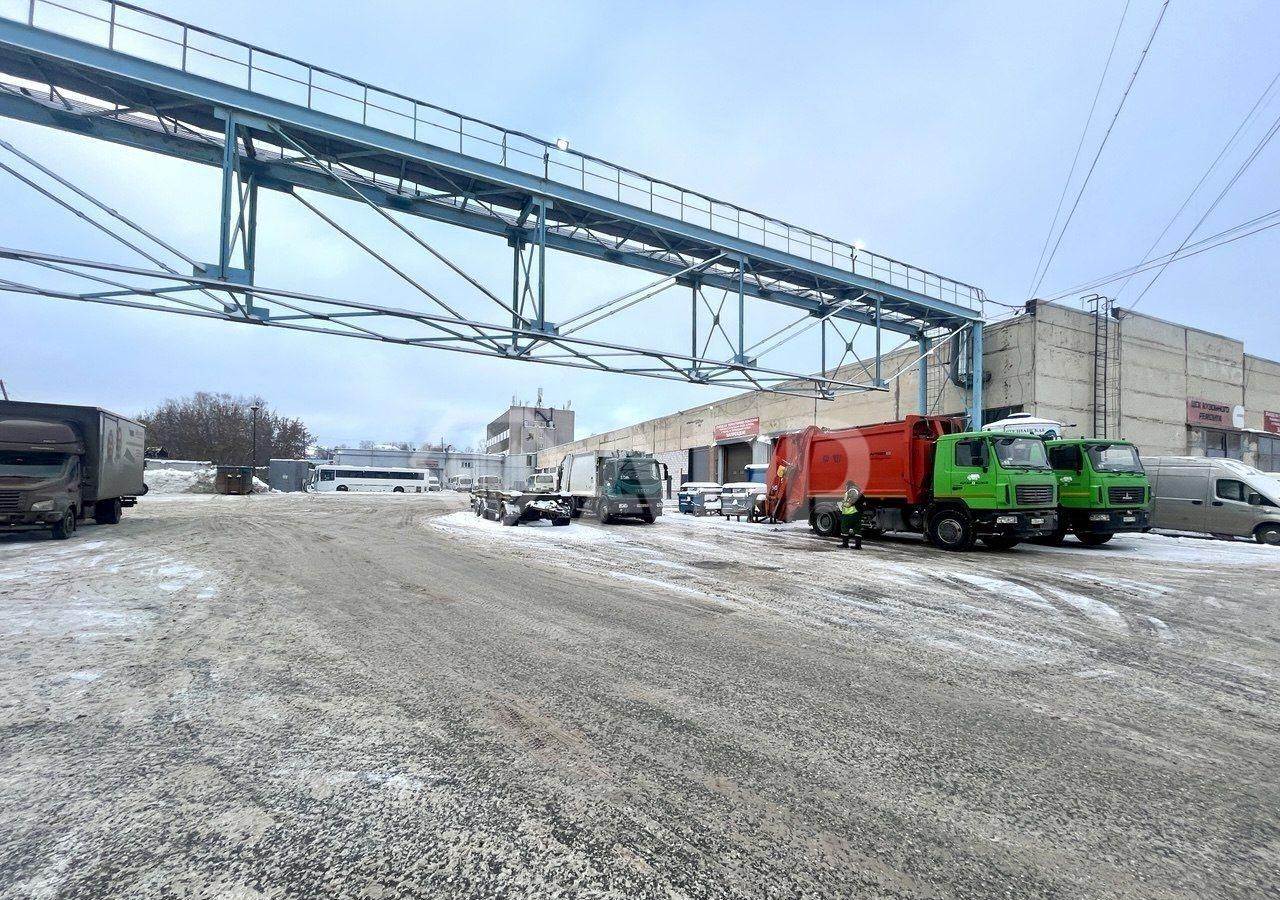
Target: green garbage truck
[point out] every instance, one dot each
(1102, 490)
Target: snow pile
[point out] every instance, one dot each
(180, 481)
(194, 481)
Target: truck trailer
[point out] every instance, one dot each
(923, 474)
(618, 485)
(514, 507)
(59, 464)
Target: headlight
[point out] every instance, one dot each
(42, 506)
(1006, 520)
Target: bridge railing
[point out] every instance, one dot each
(148, 35)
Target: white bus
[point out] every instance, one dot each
(459, 482)
(369, 478)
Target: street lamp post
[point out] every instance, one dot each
(253, 452)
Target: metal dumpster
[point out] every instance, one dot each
(233, 480)
(699, 497)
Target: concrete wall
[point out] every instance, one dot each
(1041, 360)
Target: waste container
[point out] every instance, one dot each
(233, 480)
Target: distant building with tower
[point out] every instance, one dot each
(524, 430)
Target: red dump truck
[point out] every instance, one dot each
(923, 474)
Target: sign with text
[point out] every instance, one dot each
(1206, 412)
(740, 428)
(1271, 421)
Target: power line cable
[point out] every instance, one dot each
(1244, 167)
(1221, 238)
(1119, 108)
(1053, 225)
(1203, 178)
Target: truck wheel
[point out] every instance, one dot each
(826, 522)
(562, 520)
(67, 527)
(107, 512)
(649, 517)
(1093, 540)
(602, 513)
(1001, 541)
(1268, 534)
(951, 529)
(510, 515)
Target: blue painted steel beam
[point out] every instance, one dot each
(285, 177)
(170, 83)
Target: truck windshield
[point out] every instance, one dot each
(1114, 458)
(31, 465)
(1021, 453)
(638, 472)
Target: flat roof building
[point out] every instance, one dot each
(528, 430)
(1171, 389)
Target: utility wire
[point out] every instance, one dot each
(1053, 225)
(1120, 107)
(1203, 178)
(1221, 238)
(1266, 139)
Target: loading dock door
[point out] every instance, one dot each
(736, 458)
(700, 464)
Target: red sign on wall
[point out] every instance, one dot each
(740, 428)
(1206, 412)
(1271, 421)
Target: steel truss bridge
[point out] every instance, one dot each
(120, 73)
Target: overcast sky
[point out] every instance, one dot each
(936, 133)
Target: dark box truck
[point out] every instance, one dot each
(59, 464)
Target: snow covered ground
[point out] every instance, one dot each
(360, 690)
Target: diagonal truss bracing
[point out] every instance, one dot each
(117, 72)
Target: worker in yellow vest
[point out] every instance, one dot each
(851, 515)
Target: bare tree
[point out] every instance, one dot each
(219, 427)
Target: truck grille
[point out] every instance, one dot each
(9, 501)
(1126, 496)
(1034, 494)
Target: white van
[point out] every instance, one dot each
(1219, 496)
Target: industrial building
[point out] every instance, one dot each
(525, 430)
(1169, 388)
(445, 464)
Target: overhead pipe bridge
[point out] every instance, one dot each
(120, 73)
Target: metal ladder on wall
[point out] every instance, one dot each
(1101, 307)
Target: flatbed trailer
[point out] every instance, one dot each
(514, 507)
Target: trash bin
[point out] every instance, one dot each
(233, 480)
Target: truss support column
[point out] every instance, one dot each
(879, 380)
(541, 233)
(922, 401)
(975, 367)
(693, 337)
(742, 311)
(824, 347)
(230, 158)
(517, 297)
(251, 229)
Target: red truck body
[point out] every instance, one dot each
(890, 461)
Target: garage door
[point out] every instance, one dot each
(736, 458)
(700, 464)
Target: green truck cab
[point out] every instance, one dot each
(1001, 482)
(1102, 490)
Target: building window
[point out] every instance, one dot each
(1269, 454)
(1217, 444)
(530, 459)
(466, 465)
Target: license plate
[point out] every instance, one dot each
(1037, 521)
(1130, 518)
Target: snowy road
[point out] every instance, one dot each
(304, 695)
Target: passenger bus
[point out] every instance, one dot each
(459, 482)
(370, 479)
